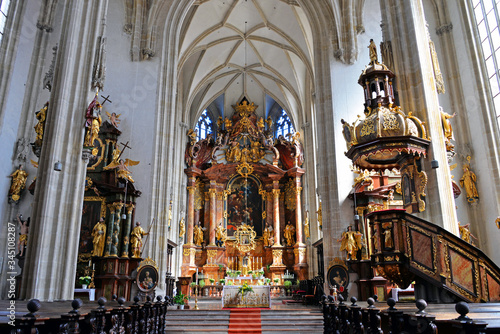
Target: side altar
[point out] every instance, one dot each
(244, 206)
(260, 296)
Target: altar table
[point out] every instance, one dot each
(260, 297)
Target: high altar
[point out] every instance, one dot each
(244, 209)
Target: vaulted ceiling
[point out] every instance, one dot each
(261, 49)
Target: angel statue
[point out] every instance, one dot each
(114, 119)
(122, 170)
(351, 243)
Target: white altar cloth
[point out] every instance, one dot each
(260, 297)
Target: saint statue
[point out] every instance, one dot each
(136, 240)
(122, 171)
(268, 235)
(182, 227)
(18, 183)
(198, 234)
(468, 181)
(320, 216)
(351, 243)
(290, 234)
(388, 242)
(93, 121)
(465, 233)
(373, 53)
(99, 237)
(307, 232)
(39, 127)
(220, 236)
(447, 129)
(233, 153)
(23, 234)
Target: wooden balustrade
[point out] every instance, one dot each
(149, 317)
(342, 318)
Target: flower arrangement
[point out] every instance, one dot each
(238, 272)
(222, 281)
(244, 289)
(211, 280)
(84, 280)
(287, 284)
(276, 280)
(229, 282)
(202, 283)
(268, 280)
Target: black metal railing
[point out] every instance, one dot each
(148, 317)
(341, 318)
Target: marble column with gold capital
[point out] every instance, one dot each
(115, 237)
(109, 229)
(127, 230)
(298, 213)
(213, 212)
(190, 210)
(276, 217)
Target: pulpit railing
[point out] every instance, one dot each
(406, 248)
(340, 318)
(138, 318)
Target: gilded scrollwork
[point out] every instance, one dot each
(245, 238)
(290, 195)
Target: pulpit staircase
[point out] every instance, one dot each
(444, 267)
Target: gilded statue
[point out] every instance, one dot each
(373, 52)
(116, 153)
(268, 235)
(468, 181)
(23, 234)
(93, 122)
(320, 216)
(350, 242)
(136, 240)
(307, 231)
(182, 227)
(198, 234)
(465, 233)
(388, 242)
(362, 179)
(260, 124)
(290, 234)
(39, 127)
(220, 236)
(169, 221)
(99, 237)
(233, 153)
(447, 129)
(121, 168)
(18, 183)
(256, 152)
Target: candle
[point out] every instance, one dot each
(196, 275)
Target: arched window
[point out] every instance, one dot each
(284, 125)
(204, 126)
(4, 9)
(486, 13)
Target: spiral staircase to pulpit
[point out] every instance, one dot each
(402, 247)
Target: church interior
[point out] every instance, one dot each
(199, 147)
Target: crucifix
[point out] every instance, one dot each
(106, 99)
(123, 149)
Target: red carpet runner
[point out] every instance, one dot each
(244, 321)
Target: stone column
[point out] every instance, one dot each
(58, 200)
(404, 27)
